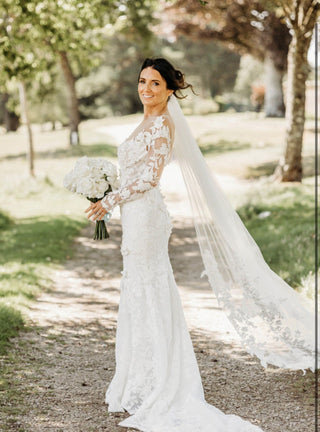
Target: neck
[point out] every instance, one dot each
(155, 111)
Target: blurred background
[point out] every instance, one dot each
(68, 78)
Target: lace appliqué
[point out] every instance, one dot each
(142, 160)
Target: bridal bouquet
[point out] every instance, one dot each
(93, 178)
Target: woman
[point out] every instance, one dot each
(157, 378)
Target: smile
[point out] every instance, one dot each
(145, 96)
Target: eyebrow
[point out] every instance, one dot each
(155, 80)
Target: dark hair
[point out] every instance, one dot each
(173, 77)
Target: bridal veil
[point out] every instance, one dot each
(274, 322)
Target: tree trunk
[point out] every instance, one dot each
(290, 168)
(24, 111)
(74, 116)
(273, 105)
(11, 119)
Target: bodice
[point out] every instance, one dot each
(133, 154)
(142, 158)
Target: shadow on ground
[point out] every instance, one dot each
(91, 150)
(57, 374)
(221, 146)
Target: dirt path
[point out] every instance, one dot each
(60, 369)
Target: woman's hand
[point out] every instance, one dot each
(96, 211)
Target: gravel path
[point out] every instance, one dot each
(64, 362)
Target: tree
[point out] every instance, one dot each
(19, 63)
(9, 117)
(301, 16)
(24, 108)
(73, 32)
(205, 62)
(108, 88)
(244, 26)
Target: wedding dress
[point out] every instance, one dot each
(157, 379)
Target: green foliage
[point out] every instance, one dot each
(105, 42)
(204, 63)
(36, 33)
(38, 240)
(5, 221)
(28, 249)
(11, 322)
(47, 97)
(112, 87)
(135, 21)
(286, 236)
(222, 146)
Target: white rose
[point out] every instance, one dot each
(82, 168)
(85, 187)
(96, 163)
(69, 182)
(96, 173)
(109, 169)
(83, 161)
(100, 188)
(116, 183)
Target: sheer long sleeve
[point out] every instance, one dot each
(157, 145)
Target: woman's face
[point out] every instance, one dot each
(152, 88)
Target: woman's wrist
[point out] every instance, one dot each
(105, 204)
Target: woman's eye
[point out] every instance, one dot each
(141, 81)
(156, 84)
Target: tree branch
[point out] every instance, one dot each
(309, 19)
(286, 9)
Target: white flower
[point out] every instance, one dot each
(91, 177)
(69, 182)
(96, 163)
(113, 181)
(109, 168)
(100, 187)
(85, 186)
(82, 167)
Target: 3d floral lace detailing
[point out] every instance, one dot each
(157, 379)
(142, 160)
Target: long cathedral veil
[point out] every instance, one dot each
(274, 322)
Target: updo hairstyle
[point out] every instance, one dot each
(173, 77)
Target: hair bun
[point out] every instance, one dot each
(179, 74)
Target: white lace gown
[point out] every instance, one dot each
(157, 379)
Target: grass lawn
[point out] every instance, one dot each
(39, 219)
(281, 220)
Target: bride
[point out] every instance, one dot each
(157, 380)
